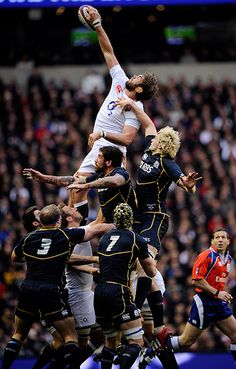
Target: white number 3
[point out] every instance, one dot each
(113, 239)
(45, 245)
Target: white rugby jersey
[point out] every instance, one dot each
(76, 279)
(109, 117)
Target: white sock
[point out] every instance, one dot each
(175, 342)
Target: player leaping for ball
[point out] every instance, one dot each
(110, 116)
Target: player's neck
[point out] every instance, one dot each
(73, 224)
(130, 94)
(108, 171)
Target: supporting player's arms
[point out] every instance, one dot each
(86, 269)
(76, 259)
(15, 259)
(206, 287)
(146, 122)
(97, 230)
(125, 138)
(107, 182)
(149, 266)
(37, 176)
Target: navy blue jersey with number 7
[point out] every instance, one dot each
(118, 251)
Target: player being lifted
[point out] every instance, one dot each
(110, 116)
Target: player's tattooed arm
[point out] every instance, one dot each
(106, 182)
(37, 176)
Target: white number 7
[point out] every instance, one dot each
(113, 239)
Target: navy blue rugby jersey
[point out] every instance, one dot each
(155, 175)
(118, 251)
(110, 197)
(46, 252)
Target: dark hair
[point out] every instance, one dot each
(49, 215)
(29, 218)
(150, 87)
(112, 153)
(219, 230)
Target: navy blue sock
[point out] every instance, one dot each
(107, 356)
(155, 301)
(129, 356)
(11, 352)
(142, 290)
(45, 357)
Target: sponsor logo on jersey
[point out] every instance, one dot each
(221, 279)
(64, 312)
(147, 239)
(126, 316)
(151, 206)
(118, 89)
(197, 271)
(136, 312)
(102, 189)
(111, 106)
(145, 167)
(156, 164)
(144, 157)
(43, 322)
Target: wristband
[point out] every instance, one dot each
(217, 293)
(103, 134)
(97, 22)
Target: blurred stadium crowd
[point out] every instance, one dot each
(46, 127)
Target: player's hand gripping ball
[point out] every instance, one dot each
(89, 17)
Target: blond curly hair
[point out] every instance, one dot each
(123, 216)
(166, 142)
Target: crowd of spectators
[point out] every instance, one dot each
(46, 127)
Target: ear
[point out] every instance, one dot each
(69, 218)
(35, 223)
(139, 90)
(108, 163)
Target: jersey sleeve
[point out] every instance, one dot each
(172, 169)
(122, 172)
(76, 235)
(143, 247)
(148, 141)
(19, 249)
(92, 178)
(117, 71)
(130, 117)
(201, 265)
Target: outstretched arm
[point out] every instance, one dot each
(110, 181)
(103, 39)
(188, 182)
(37, 176)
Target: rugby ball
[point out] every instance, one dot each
(83, 15)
